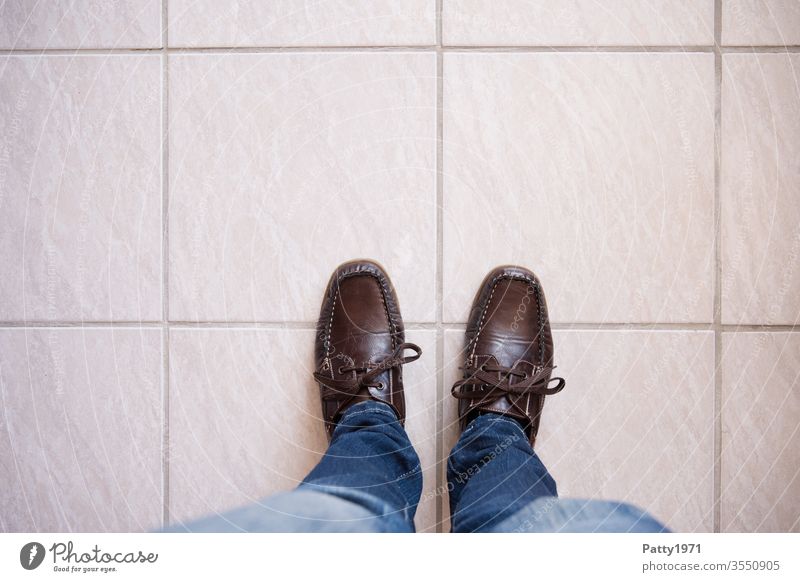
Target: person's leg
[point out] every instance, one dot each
(493, 473)
(369, 480)
(371, 462)
(496, 480)
(292, 511)
(553, 515)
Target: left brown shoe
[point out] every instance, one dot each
(509, 354)
(360, 342)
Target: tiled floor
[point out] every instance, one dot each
(173, 199)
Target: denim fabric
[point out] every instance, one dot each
(296, 511)
(554, 515)
(371, 462)
(493, 473)
(370, 480)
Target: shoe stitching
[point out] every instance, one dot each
(330, 323)
(483, 316)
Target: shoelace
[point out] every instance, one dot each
(333, 389)
(499, 381)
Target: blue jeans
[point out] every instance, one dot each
(370, 480)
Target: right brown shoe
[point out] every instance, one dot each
(509, 354)
(360, 342)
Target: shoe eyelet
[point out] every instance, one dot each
(381, 386)
(339, 370)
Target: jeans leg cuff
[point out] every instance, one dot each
(368, 407)
(487, 419)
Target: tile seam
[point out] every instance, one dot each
(165, 388)
(406, 48)
(717, 277)
(439, 270)
(306, 325)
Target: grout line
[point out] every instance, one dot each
(760, 49)
(301, 49)
(165, 427)
(581, 49)
(165, 452)
(717, 485)
(300, 325)
(647, 326)
(439, 270)
(728, 328)
(164, 170)
(215, 50)
(268, 325)
(724, 328)
(80, 51)
(81, 324)
(438, 48)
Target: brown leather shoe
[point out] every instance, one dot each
(509, 351)
(360, 342)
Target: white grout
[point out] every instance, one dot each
(717, 327)
(165, 444)
(440, 392)
(408, 48)
(425, 325)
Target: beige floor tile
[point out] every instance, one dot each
(28, 24)
(760, 189)
(591, 163)
(760, 432)
(635, 422)
(245, 417)
(578, 22)
(284, 165)
(80, 188)
(595, 170)
(760, 22)
(289, 23)
(81, 430)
